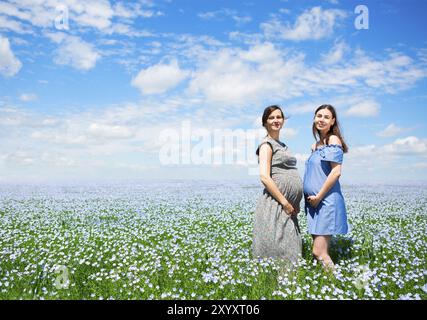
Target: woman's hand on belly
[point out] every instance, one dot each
(313, 201)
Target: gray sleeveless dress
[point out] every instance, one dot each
(276, 234)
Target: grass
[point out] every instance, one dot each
(131, 245)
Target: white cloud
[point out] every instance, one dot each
(236, 76)
(9, 64)
(400, 160)
(12, 117)
(12, 25)
(398, 149)
(364, 109)
(20, 157)
(109, 131)
(34, 158)
(398, 72)
(336, 54)
(342, 104)
(77, 53)
(289, 132)
(391, 130)
(159, 78)
(420, 165)
(313, 24)
(285, 11)
(307, 107)
(220, 14)
(58, 136)
(74, 140)
(26, 97)
(94, 13)
(407, 146)
(56, 37)
(264, 70)
(82, 14)
(132, 10)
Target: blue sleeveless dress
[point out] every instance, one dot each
(330, 217)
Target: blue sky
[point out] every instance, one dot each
(111, 94)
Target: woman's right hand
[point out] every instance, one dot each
(288, 208)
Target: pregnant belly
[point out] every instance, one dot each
(310, 189)
(290, 185)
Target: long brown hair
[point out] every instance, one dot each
(334, 130)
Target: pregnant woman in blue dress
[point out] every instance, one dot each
(324, 202)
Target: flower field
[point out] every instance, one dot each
(192, 240)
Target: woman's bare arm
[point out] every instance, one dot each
(332, 178)
(265, 156)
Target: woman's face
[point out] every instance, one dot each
(324, 120)
(275, 121)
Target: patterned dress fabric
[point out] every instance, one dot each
(276, 234)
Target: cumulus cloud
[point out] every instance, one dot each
(42, 14)
(159, 78)
(77, 53)
(94, 13)
(237, 76)
(132, 10)
(336, 54)
(12, 25)
(9, 64)
(109, 131)
(313, 24)
(266, 71)
(246, 76)
(396, 161)
(364, 109)
(391, 130)
(84, 14)
(407, 146)
(397, 72)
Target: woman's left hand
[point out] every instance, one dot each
(313, 201)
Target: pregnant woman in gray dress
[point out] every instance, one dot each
(276, 231)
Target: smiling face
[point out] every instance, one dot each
(274, 121)
(324, 120)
